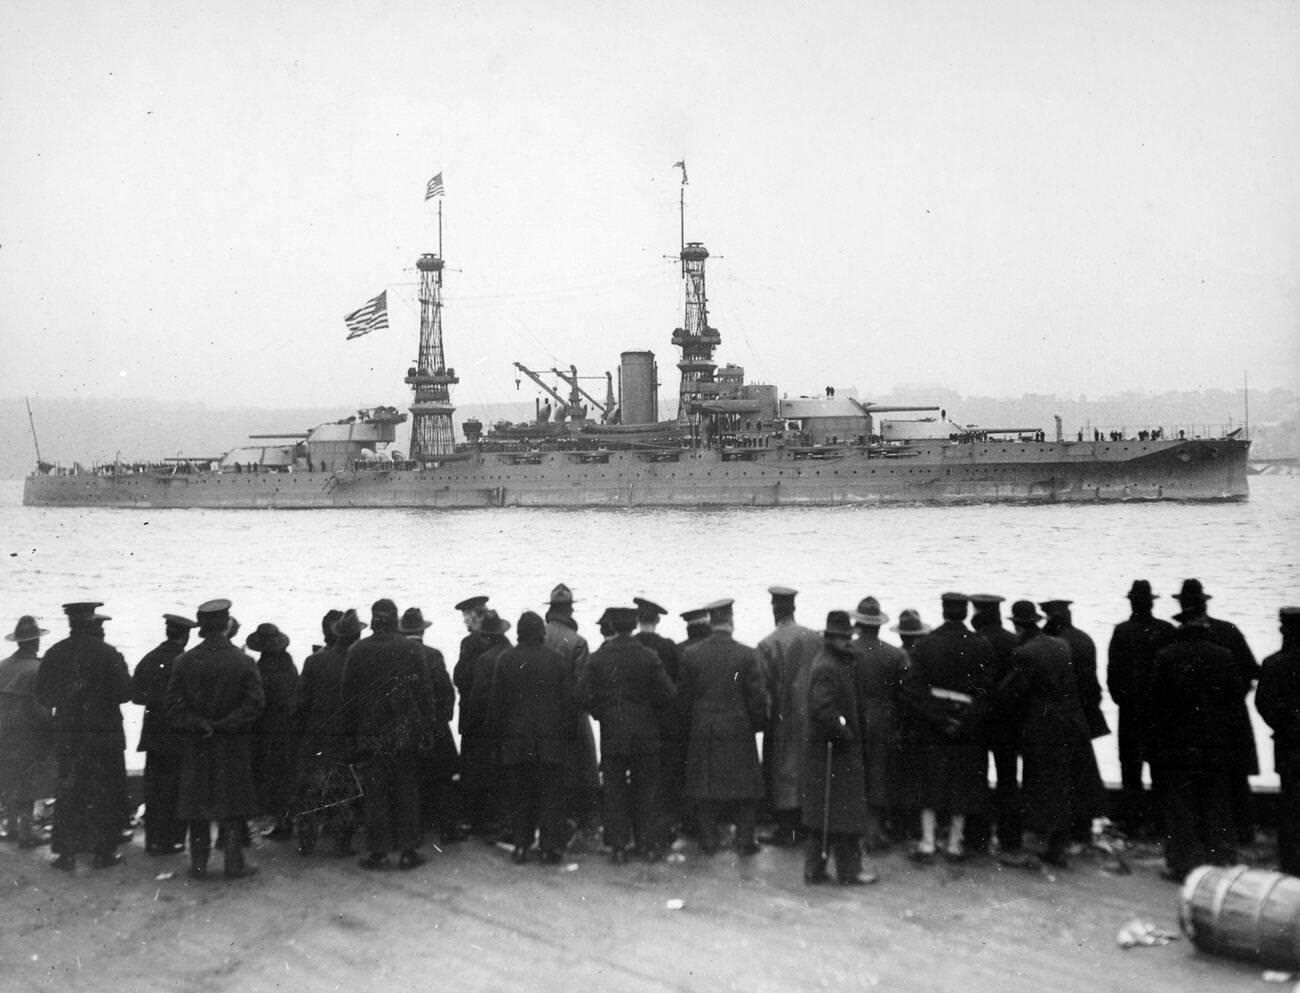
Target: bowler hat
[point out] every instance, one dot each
(1024, 612)
(1141, 590)
(869, 613)
(838, 625)
(177, 621)
(909, 622)
(472, 603)
(267, 638)
(26, 630)
(349, 624)
(560, 596)
(1192, 593)
(413, 621)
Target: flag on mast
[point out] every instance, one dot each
(682, 166)
(373, 314)
(435, 188)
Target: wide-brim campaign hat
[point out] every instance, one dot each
(267, 638)
(494, 623)
(869, 613)
(909, 622)
(26, 630)
(413, 621)
(560, 596)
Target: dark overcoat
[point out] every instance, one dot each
(1130, 665)
(722, 691)
(324, 736)
(1197, 706)
(581, 772)
(84, 680)
(24, 727)
(879, 678)
(785, 659)
(532, 706)
(275, 748)
(149, 689)
(1083, 657)
(624, 686)
(945, 693)
(479, 746)
(213, 697)
(445, 761)
(1228, 635)
(834, 719)
(1277, 698)
(1001, 720)
(1061, 782)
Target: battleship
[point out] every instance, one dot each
(730, 443)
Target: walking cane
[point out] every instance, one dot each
(826, 807)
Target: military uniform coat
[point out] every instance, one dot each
(785, 659)
(479, 746)
(834, 717)
(722, 691)
(213, 697)
(445, 760)
(581, 772)
(25, 727)
(1230, 637)
(945, 693)
(149, 689)
(879, 678)
(1083, 656)
(623, 687)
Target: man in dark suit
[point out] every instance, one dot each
(1278, 701)
(672, 733)
(164, 833)
(623, 686)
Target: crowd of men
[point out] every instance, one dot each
(863, 744)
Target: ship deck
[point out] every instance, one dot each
(470, 920)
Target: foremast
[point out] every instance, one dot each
(695, 338)
(432, 434)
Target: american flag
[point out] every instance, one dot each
(368, 317)
(435, 188)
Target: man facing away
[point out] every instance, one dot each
(785, 660)
(164, 832)
(24, 731)
(581, 773)
(85, 681)
(213, 698)
(1278, 701)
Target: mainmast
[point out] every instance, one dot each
(431, 423)
(695, 338)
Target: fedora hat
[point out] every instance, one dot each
(413, 621)
(349, 624)
(494, 623)
(909, 622)
(1141, 590)
(869, 613)
(838, 625)
(1192, 593)
(26, 630)
(267, 638)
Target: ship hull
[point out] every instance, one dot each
(937, 473)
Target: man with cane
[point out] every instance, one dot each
(834, 795)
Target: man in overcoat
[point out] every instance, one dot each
(945, 691)
(438, 791)
(1195, 602)
(531, 712)
(474, 794)
(879, 686)
(1278, 701)
(164, 832)
(84, 681)
(1197, 706)
(785, 659)
(275, 748)
(1061, 781)
(390, 700)
(623, 686)
(834, 804)
(325, 779)
(722, 692)
(1001, 728)
(581, 772)
(1130, 662)
(672, 732)
(213, 697)
(24, 731)
(480, 747)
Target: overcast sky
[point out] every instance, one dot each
(997, 197)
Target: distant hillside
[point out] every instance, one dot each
(93, 430)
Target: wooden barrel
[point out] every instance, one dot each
(1246, 913)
